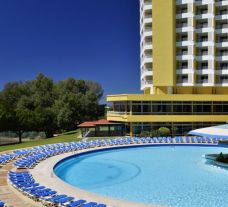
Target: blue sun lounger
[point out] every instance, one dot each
(55, 198)
(90, 204)
(63, 200)
(100, 205)
(76, 203)
(2, 204)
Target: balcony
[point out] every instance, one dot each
(146, 31)
(222, 29)
(146, 83)
(184, 15)
(203, 2)
(185, 28)
(221, 3)
(113, 113)
(184, 57)
(147, 6)
(204, 71)
(181, 71)
(222, 44)
(221, 71)
(222, 57)
(184, 43)
(146, 46)
(204, 16)
(222, 15)
(146, 72)
(180, 2)
(204, 57)
(146, 59)
(204, 43)
(204, 28)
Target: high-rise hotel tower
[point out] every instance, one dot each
(184, 67)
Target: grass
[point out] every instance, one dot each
(66, 137)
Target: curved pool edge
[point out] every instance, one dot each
(44, 174)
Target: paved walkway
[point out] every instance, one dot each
(11, 196)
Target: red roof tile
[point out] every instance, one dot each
(94, 123)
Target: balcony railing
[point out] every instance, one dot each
(117, 113)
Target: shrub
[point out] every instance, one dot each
(222, 158)
(164, 131)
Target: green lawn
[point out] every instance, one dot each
(66, 137)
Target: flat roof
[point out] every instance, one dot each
(167, 97)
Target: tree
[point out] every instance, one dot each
(13, 118)
(42, 105)
(96, 88)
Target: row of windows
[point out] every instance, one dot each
(177, 129)
(171, 108)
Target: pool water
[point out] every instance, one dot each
(170, 176)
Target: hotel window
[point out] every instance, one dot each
(184, 65)
(223, 79)
(203, 38)
(202, 107)
(166, 107)
(184, 37)
(136, 107)
(202, 79)
(181, 9)
(223, 65)
(202, 65)
(223, 52)
(184, 51)
(202, 10)
(222, 25)
(182, 23)
(220, 107)
(202, 24)
(222, 11)
(203, 51)
(146, 107)
(223, 38)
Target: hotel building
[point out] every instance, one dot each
(184, 68)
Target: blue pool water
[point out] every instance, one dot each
(171, 176)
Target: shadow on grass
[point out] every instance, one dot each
(10, 144)
(69, 133)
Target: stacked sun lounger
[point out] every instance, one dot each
(24, 182)
(2, 204)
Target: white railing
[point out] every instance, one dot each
(117, 113)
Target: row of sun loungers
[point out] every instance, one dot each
(24, 182)
(30, 157)
(37, 154)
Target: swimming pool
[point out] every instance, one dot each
(170, 176)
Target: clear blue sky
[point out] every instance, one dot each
(86, 39)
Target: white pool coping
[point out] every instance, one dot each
(43, 174)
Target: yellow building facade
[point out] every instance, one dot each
(184, 68)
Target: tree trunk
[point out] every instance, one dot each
(49, 134)
(20, 136)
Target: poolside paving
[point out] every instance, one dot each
(43, 173)
(10, 195)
